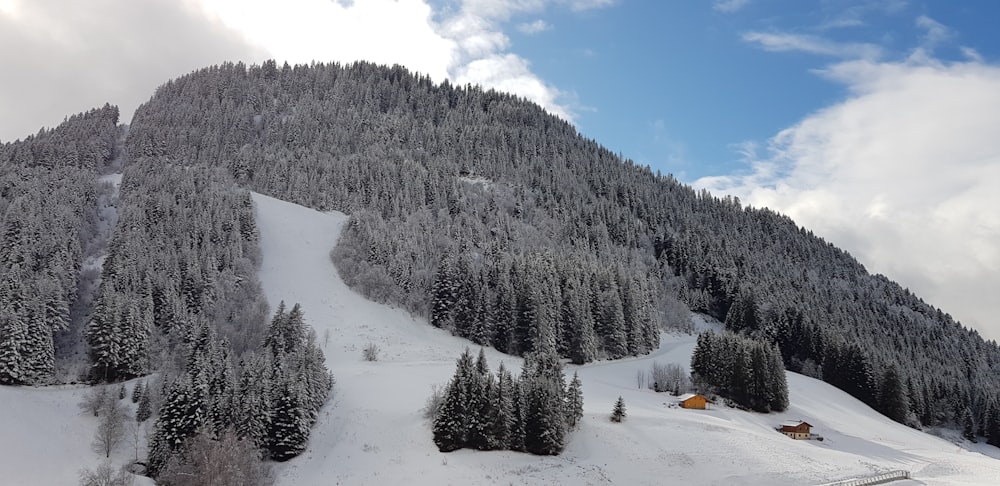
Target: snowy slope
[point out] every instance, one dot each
(45, 438)
(373, 432)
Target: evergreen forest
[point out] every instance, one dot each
(474, 209)
(502, 224)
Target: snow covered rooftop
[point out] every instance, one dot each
(795, 423)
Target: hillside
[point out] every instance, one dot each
(373, 432)
(475, 219)
(458, 195)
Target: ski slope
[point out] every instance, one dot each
(372, 432)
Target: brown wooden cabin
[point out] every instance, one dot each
(693, 400)
(796, 429)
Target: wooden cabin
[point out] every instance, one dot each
(796, 429)
(693, 400)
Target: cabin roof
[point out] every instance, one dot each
(795, 423)
(687, 396)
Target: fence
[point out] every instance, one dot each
(883, 478)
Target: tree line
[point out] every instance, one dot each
(530, 413)
(270, 398)
(747, 371)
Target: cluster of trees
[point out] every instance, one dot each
(536, 302)
(531, 413)
(184, 253)
(269, 398)
(48, 213)
(747, 371)
(179, 295)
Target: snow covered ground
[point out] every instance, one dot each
(373, 431)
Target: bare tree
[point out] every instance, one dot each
(370, 353)
(226, 460)
(434, 401)
(640, 379)
(106, 475)
(135, 436)
(95, 399)
(669, 377)
(111, 430)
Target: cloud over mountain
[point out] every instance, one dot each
(902, 173)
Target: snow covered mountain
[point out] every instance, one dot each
(475, 218)
(373, 430)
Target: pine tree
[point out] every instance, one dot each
(778, 384)
(180, 417)
(138, 391)
(12, 338)
(481, 406)
(144, 409)
(577, 324)
(993, 424)
(504, 404)
(255, 389)
(443, 295)
(544, 415)
(288, 431)
(574, 402)
(893, 401)
(451, 426)
(968, 427)
(619, 413)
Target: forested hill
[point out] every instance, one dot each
(48, 218)
(504, 225)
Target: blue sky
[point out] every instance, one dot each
(873, 123)
(678, 86)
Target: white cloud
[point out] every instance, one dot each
(512, 74)
(301, 31)
(61, 58)
(463, 45)
(729, 6)
(73, 56)
(903, 174)
(971, 54)
(936, 32)
(535, 27)
(8, 7)
(783, 42)
(581, 5)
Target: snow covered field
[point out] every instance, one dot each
(373, 431)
